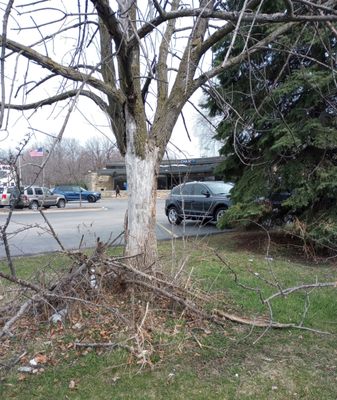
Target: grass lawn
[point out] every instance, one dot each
(198, 360)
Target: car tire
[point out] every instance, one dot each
(173, 216)
(91, 199)
(61, 203)
(34, 205)
(267, 223)
(219, 212)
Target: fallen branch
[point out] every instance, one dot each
(186, 303)
(263, 323)
(152, 278)
(21, 282)
(258, 322)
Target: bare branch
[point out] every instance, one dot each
(234, 16)
(2, 59)
(239, 58)
(61, 70)
(60, 97)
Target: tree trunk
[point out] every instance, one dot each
(141, 171)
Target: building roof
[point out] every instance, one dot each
(168, 167)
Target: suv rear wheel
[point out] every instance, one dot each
(173, 216)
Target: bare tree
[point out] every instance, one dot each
(98, 151)
(148, 63)
(69, 162)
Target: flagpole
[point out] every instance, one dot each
(42, 170)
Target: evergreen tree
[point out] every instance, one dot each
(279, 130)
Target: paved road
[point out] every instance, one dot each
(81, 226)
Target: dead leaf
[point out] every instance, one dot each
(72, 385)
(115, 378)
(41, 359)
(24, 360)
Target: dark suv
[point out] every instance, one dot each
(206, 201)
(76, 193)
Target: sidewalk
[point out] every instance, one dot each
(161, 194)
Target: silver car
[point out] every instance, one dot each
(12, 196)
(42, 197)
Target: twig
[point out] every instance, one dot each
(52, 230)
(236, 278)
(260, 323)
(3, 234)
(23, 309)
(108, 344)
(287, 291)
(113, 310)
(13, 361)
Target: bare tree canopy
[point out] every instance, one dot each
(139, 63)
(69, 163)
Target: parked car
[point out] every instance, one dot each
(77, 193)
(276, 213)
(206, 201)
(42, 197)
(12, 196)
(277, 198)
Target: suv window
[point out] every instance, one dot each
(199, 189)
(30, 191)
(184, 190)
(38, 191)
(220, 187)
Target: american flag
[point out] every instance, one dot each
(36, 152)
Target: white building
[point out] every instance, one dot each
(6, 175)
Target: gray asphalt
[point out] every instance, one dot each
(79, 225)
